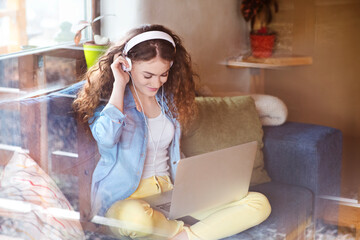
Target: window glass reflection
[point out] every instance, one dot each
(29, 24)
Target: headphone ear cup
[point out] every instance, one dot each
(128, 60)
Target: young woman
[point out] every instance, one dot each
(135, 100)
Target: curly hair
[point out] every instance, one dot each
(179, 88)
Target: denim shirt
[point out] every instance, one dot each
(122, 141)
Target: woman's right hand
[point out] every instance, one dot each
(121, 79)
(120, 76)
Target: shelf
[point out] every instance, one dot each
(278, 61)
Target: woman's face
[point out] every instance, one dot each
(149, 76)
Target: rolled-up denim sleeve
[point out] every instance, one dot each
(106, 125)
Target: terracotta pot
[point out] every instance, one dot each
(92, 52)
(262, 45)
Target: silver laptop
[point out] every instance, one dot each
(208, 180)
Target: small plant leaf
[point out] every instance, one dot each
(80, 26)
(102, 16)
(77, 37)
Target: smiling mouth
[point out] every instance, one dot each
(152, 89)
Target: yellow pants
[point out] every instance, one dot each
(140, 221)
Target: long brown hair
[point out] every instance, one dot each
(179, 88)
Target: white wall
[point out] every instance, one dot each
(211, 30)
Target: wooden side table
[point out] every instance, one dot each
(32, 77)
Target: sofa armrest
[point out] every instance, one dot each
(306, 155)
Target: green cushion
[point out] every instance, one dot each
(225, 122)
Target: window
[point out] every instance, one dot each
(29, 24)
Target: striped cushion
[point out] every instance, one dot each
(31, 204)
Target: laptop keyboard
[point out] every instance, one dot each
(165, 206)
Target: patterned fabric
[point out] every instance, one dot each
(31, 204)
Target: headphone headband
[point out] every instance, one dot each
(142, 37)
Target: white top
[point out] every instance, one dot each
(159, 126)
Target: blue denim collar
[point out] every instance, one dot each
(129, 101)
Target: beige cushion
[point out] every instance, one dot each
(225, 122)
(272, 110)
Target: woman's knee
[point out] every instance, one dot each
(134, 218)
(260, 202)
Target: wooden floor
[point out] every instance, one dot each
(348, 214)
(351, 167)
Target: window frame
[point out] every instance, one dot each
(92, 9)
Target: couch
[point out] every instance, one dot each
(302, 162)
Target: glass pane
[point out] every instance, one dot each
(29, 24)
(9, 74)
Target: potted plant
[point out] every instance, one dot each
(97, 46)
(259, 13)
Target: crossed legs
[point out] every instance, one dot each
(139, 220)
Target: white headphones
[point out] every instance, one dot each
(142, 37)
